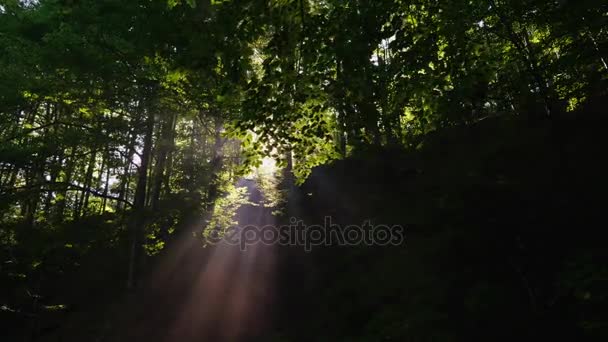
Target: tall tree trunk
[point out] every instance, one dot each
(125, 180)
(167, 180)
(138, 219)
(53, 165)
(165, 144)
(216, 164)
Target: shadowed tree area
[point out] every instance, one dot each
(140, 139)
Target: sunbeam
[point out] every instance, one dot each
(221, 292)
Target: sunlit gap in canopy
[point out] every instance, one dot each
(267, 168)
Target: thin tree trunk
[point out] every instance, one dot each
(596, 47)
(82, 207)
(62, 194)
(125, 179)
(30, 204)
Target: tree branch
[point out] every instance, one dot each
(28, 131)
(55, 186)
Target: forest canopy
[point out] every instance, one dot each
(122, 121)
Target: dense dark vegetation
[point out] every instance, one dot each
(130, 127)
(503, 239)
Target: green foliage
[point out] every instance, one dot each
(389, 71)
(121, 122)
(224, 212)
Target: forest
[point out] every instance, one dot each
(138, 138)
